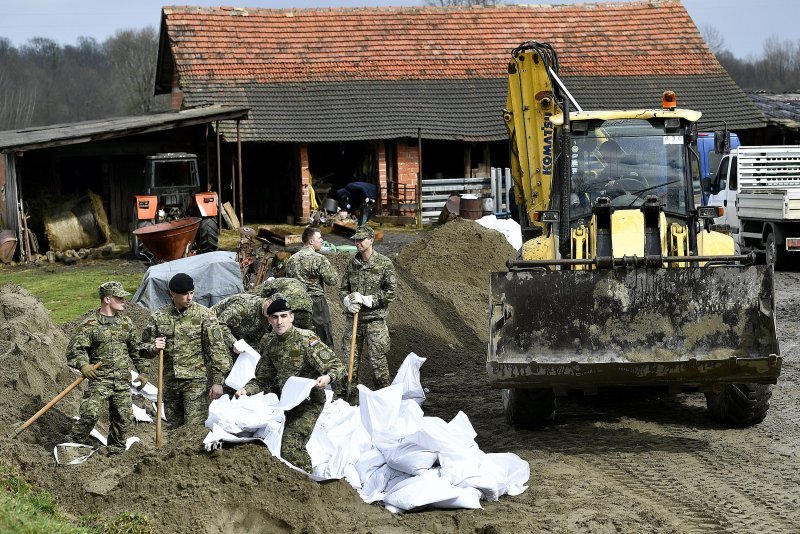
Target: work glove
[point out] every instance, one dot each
(352, 307)
(367, 300)
(356, 298)
(88, 371)
(142, 382)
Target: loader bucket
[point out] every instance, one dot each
(687, 326)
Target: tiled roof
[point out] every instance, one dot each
(442, 109)
(296, 45)
(378, 73)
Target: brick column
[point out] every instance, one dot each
(407, 166)
(305, 191)
(382, 176)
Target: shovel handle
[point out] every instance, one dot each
(352, 350)
(160, 396)
(52, 403)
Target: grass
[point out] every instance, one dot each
(27, 509)
(69, 292)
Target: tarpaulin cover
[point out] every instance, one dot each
(216, 276)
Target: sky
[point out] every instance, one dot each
(744, 24)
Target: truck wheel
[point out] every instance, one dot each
(775, 256)
(529, 408)
(207, 235)
(740, 405)
(138, 250)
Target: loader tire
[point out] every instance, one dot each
(740, 405)
(529, 408)
(139, 251)
(207, 235)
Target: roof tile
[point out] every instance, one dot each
(296, 45)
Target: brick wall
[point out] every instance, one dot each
(305, 190)
(407, 163)
(382, 176)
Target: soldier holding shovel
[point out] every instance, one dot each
(195, 357)
(110, 338)
(368, 286)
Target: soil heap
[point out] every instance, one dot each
(439, 313)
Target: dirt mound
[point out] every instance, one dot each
(32, 365)
(439, 313)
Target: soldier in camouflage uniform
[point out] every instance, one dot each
(194, 353)
(109, 338)
(314, 270)
(293, 351)
(294, 292)
(242, 316)
(368, 286)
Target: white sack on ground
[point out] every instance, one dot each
(408, 377)
(508, 227)
(386, 447)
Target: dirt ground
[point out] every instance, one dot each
(612, 463)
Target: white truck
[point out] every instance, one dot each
(759, 188)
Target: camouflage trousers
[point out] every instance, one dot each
(322, 319)
(186, 401)
(95, 399)
(372, 338)
(300, 423)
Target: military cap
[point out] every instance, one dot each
(112, 289)
(181, 283)
(277, 306)
(364, 232)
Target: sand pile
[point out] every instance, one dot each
(441, 309)
(440, 313)
(32, 365)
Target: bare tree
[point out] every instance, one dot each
(133, 56)
(714, 39)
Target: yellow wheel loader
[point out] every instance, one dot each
(620, 281)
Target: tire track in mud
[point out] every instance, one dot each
(705, 479)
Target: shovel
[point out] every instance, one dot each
(53, 402)
(160, 396)
(352, 357)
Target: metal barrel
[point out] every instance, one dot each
(632, 326)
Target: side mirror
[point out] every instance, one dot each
(722, 142)
(709, 185)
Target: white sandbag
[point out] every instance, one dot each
(410, 458)
(513, 472)
(244, 369)
(508, 227)
(379, 482)
(469, 498)
(369, 462)
(418, 492)
(379, 409)
(338, 440)
(408, 377)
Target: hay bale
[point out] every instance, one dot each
(76, 224)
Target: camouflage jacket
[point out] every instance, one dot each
(296, 353)
(374, 277)
(195, 348)
(240, 316)
(111, 340)
(313, 269)
(291, 289)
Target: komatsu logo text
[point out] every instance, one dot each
(547, 145)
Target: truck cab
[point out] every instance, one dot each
(759, 189)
